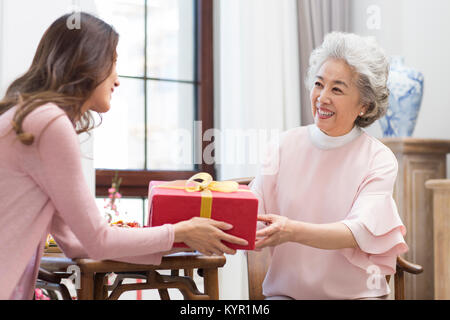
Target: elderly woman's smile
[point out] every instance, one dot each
(324, 113)
(335, 99)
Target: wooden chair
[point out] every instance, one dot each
(51, 283)
(258, 264)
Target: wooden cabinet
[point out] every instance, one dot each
(441, 235)
(419, 160)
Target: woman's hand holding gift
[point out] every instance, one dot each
(206, 236)
(278, 230)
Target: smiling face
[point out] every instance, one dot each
(335, 99)
(100, 100)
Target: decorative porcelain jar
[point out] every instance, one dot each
(406, 91)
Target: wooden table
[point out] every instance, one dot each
(93, 273)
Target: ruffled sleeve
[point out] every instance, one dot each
(374, 219)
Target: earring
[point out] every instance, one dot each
(361, 114)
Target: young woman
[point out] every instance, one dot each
(42, 187)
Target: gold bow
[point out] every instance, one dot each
(204, 183)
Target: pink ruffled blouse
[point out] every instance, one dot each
(316, 178)
(42, 191)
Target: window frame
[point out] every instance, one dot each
(135, 182)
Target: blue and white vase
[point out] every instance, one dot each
(406, 92)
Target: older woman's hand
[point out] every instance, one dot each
(328, 236)
(278, 230)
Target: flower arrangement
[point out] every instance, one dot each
(111, 205)
(114, 195)
(51, 246)
(40, 295)
(122, 224)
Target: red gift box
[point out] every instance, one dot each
(240, 209)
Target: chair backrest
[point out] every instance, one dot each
(257, 265)
(257, 262)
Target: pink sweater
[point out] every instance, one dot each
(322, 179)
(43, 190)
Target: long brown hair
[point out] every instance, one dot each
(68, 65)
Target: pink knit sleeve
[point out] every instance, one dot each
(66, 239)
(79, 227)
(73, 248)
(374, 219)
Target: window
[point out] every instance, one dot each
(165, 102)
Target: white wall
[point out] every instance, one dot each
(418, 30)
(257, 79)
(22, 25)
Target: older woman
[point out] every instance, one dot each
(330, 217)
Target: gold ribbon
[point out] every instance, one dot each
(204, 183)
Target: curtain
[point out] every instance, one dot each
(257, 76)
(256, 95)
(316, 18)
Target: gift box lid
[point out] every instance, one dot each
(243, 192)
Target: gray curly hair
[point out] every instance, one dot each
(367, 59)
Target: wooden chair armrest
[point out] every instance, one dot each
(48, 276)
(51, 282)
(243, 181)
(408, 266)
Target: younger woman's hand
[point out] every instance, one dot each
(277, 231)
(206, 236)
